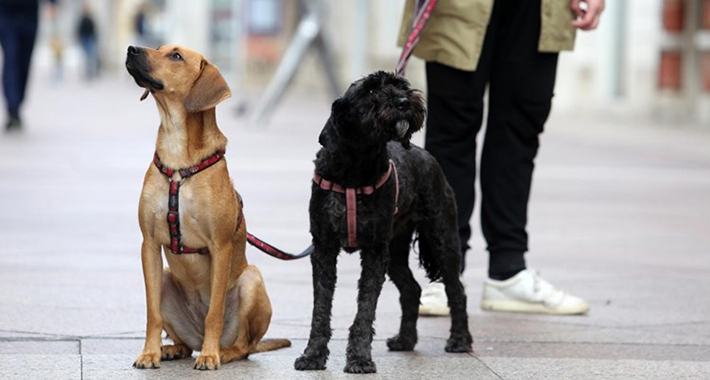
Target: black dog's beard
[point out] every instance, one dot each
(402, 127)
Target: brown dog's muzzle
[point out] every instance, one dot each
(138, 66)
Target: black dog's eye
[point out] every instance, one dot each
(176, 56)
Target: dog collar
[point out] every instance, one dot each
(173, 217)
(351, 197)
(184, 173)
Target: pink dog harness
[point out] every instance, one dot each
(351, 197)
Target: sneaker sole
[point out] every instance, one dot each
(531, 308)
(433, 311)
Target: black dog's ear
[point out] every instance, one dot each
(339, 109)
(331, 134)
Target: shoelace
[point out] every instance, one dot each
(536, 282)
(539, 284)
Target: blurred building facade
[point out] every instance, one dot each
(640, 61)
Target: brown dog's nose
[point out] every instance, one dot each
(132, 50)
(402, 103)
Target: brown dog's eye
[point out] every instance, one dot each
(176, 56)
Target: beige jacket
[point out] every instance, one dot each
(454, 34)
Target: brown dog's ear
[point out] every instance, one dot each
(209, 89)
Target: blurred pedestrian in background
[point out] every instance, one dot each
(511, 47)
(87, 36)
(139, 25)
(56, 45)
(18, 28)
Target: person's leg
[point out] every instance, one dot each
(521, 88)
(94, 58)
(455, 114)
(86, 47)
(520, 97)
(27, 36)
(11, 63)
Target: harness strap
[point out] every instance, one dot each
(351, 197)
(351, 206)
(173, 217)
(367, 190)
(396, 187)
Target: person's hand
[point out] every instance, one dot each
(587, 19)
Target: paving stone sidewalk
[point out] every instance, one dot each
(620, 215)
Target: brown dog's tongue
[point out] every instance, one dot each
(145, 95)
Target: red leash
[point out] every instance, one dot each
(421, 16)
(275, 252)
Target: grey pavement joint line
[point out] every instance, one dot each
(81, 359)
(486, 365)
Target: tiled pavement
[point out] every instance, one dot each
(619, 215)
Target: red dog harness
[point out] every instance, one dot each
(351, 197)
(173, 218)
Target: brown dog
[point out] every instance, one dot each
(212, 300)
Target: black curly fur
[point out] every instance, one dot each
(360, 137)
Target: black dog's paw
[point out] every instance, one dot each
(310, 363)
(459, 343)
(401, 343)
(360, 366)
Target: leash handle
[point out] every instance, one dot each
(275, 252)
(420, 18)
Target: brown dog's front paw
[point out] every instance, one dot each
(174, 352)
(147, 359)
(206, 362)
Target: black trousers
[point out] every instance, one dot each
(521, 82)
(18, 28)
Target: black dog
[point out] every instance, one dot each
(368, 127)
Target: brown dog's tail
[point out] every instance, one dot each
(271, 344)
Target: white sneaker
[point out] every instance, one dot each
(433, 301)
(527, 292)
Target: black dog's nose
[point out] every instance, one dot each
(132, 50)
(402, 103)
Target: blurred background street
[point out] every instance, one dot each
(619, 211)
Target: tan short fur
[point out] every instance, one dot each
(189, 299)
